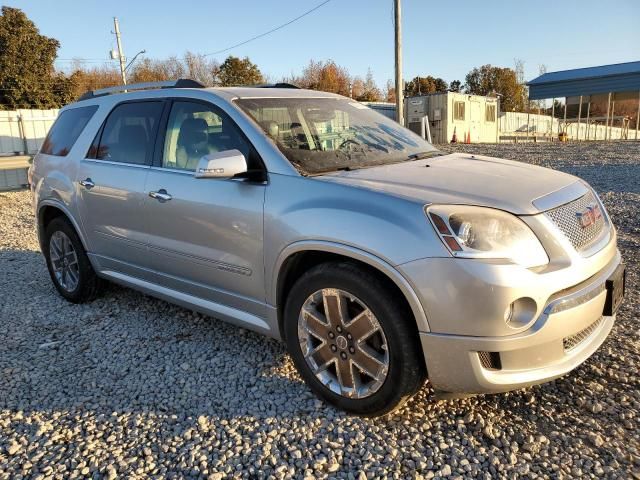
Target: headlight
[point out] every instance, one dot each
(479, 232)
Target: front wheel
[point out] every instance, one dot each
(352, 340)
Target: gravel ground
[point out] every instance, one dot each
(129, 386)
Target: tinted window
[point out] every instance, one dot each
(129, 133)
(195, 130)
(66, 130)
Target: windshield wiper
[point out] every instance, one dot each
(339, 169)
(423, 155)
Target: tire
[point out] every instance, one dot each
(62, 242)
(399, 367)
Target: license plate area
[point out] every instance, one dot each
(615, 286)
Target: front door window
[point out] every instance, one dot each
(194, 130)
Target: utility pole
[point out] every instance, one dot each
(398, 55)
(121, 59)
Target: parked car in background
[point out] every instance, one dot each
(306, 216)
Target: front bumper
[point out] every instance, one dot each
(566, 328)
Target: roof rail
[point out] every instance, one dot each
(179, 83)
(273, 85)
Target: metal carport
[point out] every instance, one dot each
(621, 78)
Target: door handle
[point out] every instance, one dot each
(161, 195)
(87, 183)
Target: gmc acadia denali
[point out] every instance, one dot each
(306, 216)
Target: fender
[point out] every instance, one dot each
(357, 254)
(61, 206)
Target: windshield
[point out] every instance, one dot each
(319, 135)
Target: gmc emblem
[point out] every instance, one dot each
(589, 215)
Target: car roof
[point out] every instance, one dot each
(225, 93)
(261, 92)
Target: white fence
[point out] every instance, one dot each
(516, 125)
(23, 131)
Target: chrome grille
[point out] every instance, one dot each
(576, 339)
(566, 219)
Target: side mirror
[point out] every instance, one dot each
(225, 164)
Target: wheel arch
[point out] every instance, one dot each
(297, 258)
(47, 211)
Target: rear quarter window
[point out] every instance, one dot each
(66, 130)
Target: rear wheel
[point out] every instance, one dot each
(68, 264)
(352, 341)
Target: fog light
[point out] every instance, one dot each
(520, 313)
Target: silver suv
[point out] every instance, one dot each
(379, 260)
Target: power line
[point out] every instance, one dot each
(270, 31)
(65, 63)
(106, 60)
(80, 59)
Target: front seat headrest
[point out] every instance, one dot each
(193, 131)
(270, 127)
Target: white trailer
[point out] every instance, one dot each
(471, 117)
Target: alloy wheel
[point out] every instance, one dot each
(343, 343)
(64, 261)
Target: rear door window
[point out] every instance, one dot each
(128, 134)
(66, 130)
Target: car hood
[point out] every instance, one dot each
(462, 179)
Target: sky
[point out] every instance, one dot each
(444, 39)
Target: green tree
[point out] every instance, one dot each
(237, 71)
(27, 75)
(425, 85)
(455, 86)
(490, 80)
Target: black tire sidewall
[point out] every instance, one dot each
(405, 366)
(86, 274)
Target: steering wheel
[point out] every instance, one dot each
(348, 141)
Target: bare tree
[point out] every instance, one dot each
(357, 87)
(201, 68)
(390, 92)
(519, 69)
(371, 91)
